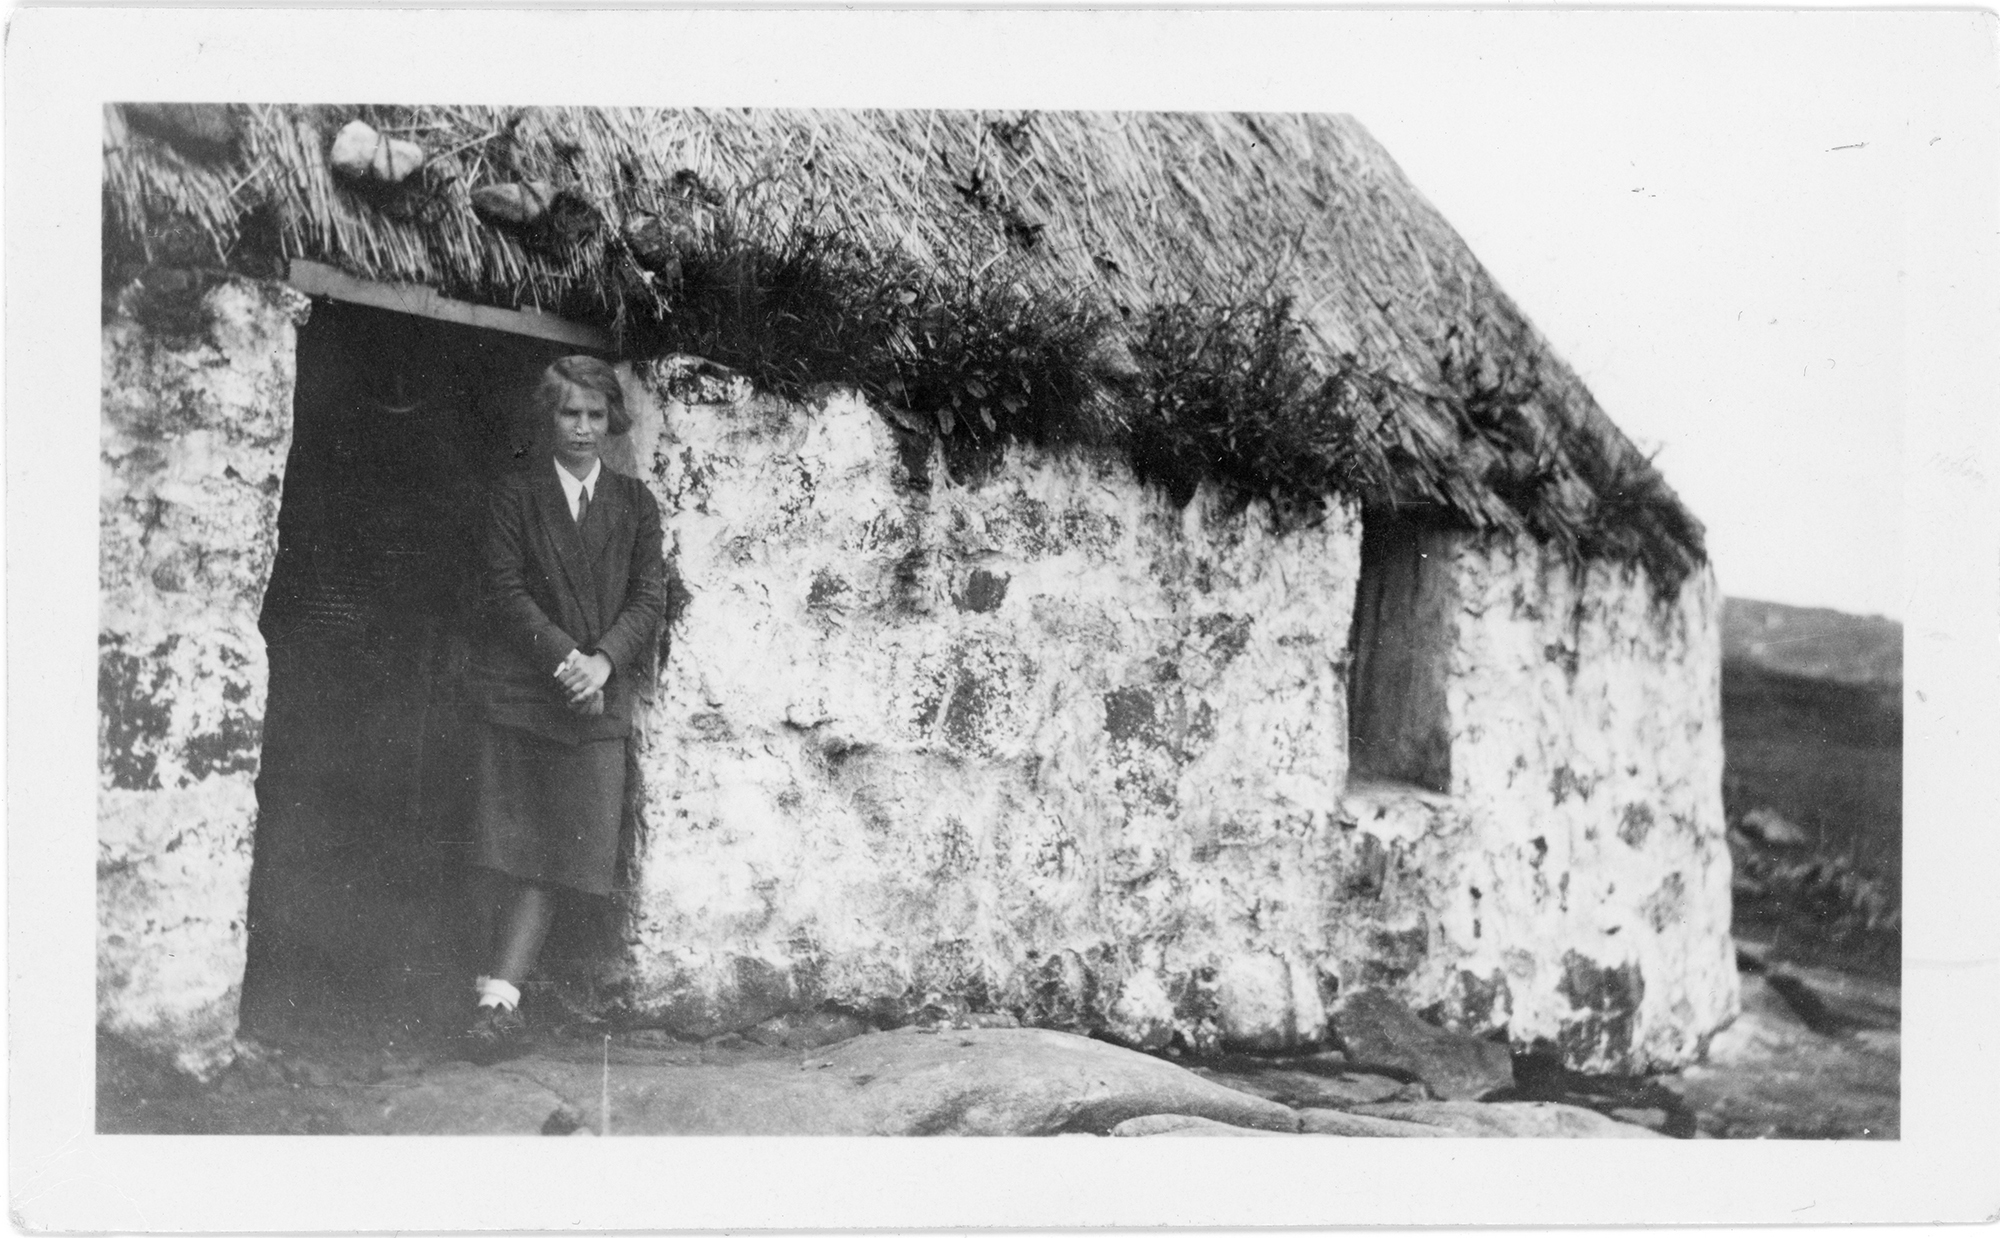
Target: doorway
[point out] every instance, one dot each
(359, 899)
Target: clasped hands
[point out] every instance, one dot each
(583, 676)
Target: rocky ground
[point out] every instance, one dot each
(1815, 1055)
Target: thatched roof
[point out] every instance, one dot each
(1132, 209)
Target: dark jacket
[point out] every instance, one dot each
(550, 586)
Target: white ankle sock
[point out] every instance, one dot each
(494, 992)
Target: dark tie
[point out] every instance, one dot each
(582, 504)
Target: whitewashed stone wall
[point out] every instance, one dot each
(1575, 886)
(195, 427)
(1617, 767)
(1037, 742)
(1043, 743)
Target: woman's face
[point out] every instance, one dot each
(581, 422)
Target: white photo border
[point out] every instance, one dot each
(1937, 71)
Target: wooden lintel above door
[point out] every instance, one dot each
(316, 279)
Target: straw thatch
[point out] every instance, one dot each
(1475, 414)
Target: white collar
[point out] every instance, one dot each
(571, 484)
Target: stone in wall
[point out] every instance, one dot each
(195, 425)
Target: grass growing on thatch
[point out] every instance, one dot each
(974, 354)
(1006, 362)
(1497, 395)
(1233, 393)
(788, 313)
(1630, 514)
(1225, 392)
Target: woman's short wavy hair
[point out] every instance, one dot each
(591, 375)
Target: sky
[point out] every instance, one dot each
(1722, 265)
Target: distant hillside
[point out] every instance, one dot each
(1814, 643)
(1812, 727)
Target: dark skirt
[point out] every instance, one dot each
(548, 812)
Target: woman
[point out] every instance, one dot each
(574, 591)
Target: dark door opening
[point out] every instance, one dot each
(400, 426)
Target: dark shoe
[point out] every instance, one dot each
(495, 1035)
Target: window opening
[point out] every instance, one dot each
(1399, 645)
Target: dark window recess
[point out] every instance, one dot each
(1399, 646)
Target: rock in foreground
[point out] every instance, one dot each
(1311, 1083)
(1509, 1119)
(1770, 1075)
(1361, 1126)
(1380, 1033)
(979, 1081)
(1180, 1125)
